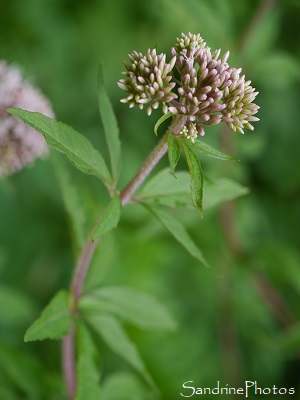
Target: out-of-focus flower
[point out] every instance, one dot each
(20, 145)
(204, 90)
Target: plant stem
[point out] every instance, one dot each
(68, 363)
(82, 266)
(68, 344)
(158, 152)
(88, 250)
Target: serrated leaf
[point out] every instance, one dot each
(71, 198)
(140, 309)
(117, 340)
(161, 120)
(173, 152)
(165, 190)
(194, 165)
(211, 152)
(88, 386)
(109, 219)
(178, 231)
(61, 137)
(110, 125)
(55, 320)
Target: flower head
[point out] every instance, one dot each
(148, 80)
(203, 78)
(207, 92)
(238, 97)
(189, 42)
(20, 145)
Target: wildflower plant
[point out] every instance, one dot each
(195, 89)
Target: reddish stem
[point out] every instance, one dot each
(68, 344)
(69, 363)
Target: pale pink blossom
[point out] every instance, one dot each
(20, 145)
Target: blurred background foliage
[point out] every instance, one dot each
(239, 321)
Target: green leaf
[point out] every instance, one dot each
(109, 219)
(117, 340)
(196, 174)
(124, 386)
(211, 152)
(140, 309)
(110, 125)
(178, 231)
(20, 307)
(103, 261)
(61, 137)
(220, 190)
(173, 152)
(72, 201)
(161, 120)
(87, 370)
(165, 190)
(54, 322)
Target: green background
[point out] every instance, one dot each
(237, 322)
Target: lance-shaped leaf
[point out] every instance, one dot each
(140, 309)
(72, 200)
(212, 152)
(110, 126)
(196, 174)
(87, 368)
(220, 190)
(54, 322)
(162, 188)
(65, 139)
(178, 231)
(109, 219)
(117, 340)
(161, 120)
(173, 152)
(165, 190)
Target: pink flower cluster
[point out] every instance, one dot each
(198, 87)
(20, 145)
